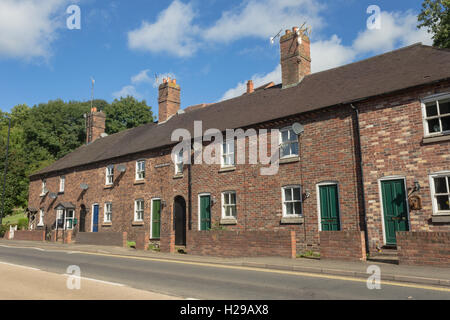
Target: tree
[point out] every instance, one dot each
(435, 16)
(126, 113)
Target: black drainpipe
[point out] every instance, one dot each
(361, 172)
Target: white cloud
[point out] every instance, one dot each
(128, 90)
(264, 18)
(28, 28)
(330, 53)
(172, 32)
(141, 77)
(397, 29)
(258, 80)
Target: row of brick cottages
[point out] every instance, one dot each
(394, 109)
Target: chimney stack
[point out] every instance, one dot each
(95, 125)
(250, 86)
(168, 99)
(295, 54)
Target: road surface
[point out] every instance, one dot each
(200, 280)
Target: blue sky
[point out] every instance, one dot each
(211, 47)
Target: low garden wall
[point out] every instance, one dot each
(343, 245)
(424, 248)
(30, 235)
(118, 239)
(242, 243)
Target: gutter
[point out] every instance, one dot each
(361, 172)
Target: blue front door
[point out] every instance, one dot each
(95, 219)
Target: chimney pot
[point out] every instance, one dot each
(288, 31)
(250, 86)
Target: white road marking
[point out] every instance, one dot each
(18, 265)
(100, 281)
(34, 248)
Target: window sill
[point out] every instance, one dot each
(61, 192)
(292, 220)
(108, 186)
(106, 224)
(290, 160)
(139, 182)
(42, 195)
(440, 218)
(227, 169)
(437, 138)
(228, 221)
(178, 176)
(137, 223)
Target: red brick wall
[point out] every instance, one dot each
(34, 235)
(424, 248)
(343, 245)
(241, 243)
(392, 145)
(118, 239)
(142, 240)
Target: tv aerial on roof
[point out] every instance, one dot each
(272, 39)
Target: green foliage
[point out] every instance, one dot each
(3, 229)
(435, 16)
(126, 113)
(22, 224)
(309, 255)
(49, 131)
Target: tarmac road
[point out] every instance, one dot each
(189, 279)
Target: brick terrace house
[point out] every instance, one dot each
(374, 156)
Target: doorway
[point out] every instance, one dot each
(395, 208)
(179, 219)
(329, 207)
(82, 223)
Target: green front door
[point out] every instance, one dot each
(205, 212)
(156, 219)
(329, 208)
(394, 208)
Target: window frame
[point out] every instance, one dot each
(284, 201)
(41, 218)
(425, 118)
(109, 175)
(224, 205)
(66, 218)
(138, 171)
(291, 155)
(106, 212)
(62, 183)
(179, 169)
(224, 154)
(443, 174)
(136, 210)
(43, 186)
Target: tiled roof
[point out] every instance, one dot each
(400, 69)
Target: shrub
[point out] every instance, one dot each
(22, 224)
(3, 229)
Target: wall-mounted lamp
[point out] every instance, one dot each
(213, 200)
(307, 194)
(163, 203)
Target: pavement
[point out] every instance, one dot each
(389, 272)
(26, 283)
